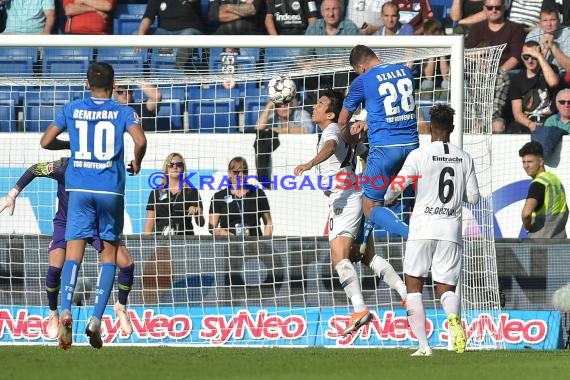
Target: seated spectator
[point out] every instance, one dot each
(563, 7)
(147, 110)
(174, 17)
(235, 16)
(496, 30)
(290, 17)
(390, 16)
(554, 41)
(525, 12)
(29, 17)
(555, 126)
(238, 209)
(364, 14)
(415, 13)
(331, 24)
(170, 211)
(89, 16)
(432, 27)
(532, 90)
(562, 118)
(466, 13)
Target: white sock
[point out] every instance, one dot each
(450, 303)
(349, 281)
(386, 272)
(417, 318)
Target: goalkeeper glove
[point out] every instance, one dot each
(9, 202)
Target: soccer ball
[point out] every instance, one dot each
(281, 90)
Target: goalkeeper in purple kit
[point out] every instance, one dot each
(56, 170)
(95, 179)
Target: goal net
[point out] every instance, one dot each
(204, 289)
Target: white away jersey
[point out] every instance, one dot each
(445, 178)
(338, 169)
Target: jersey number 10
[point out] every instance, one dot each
(103, 140)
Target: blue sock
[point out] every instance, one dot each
(387, 219)
(125, 279)
(104, 287)
(69, 274)
(365, 230)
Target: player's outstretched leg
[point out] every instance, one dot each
(457, 333)
(349, 281)
(94, 333)
(53, 284)
(53, 324)
(124, 319)
(384, 270)
(417, 322)
(65, 330)
(450, 303)
(125, 282)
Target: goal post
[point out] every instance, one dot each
(277, 290)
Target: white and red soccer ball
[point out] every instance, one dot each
(281, 90)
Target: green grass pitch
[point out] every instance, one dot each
(49, 362)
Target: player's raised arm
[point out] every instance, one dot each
(50, 141)
(327, 151)
(139, 138)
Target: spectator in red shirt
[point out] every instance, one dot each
(89, 16)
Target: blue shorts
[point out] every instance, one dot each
(381, 165)
(91, 212)
(58, 239)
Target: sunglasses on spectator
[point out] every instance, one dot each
(239, 170)
(178, 165)
(494, 7)
(564, 102)
(528, 57)
(121, 91)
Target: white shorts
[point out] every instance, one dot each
(345, 213)
(441, 256)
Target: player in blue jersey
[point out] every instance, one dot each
(387, 92)
(56, 249)
(95, 180)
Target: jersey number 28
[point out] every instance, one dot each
(405, 89)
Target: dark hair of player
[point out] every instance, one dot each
(534, 148)
(100, 75)
(441, 117)
(335, 104)
(360, 54)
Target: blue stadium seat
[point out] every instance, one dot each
(15, 61)
(216, 92)
(61, 62)
(251, 110)
(128, 18)
(125, 61)
(277, 57)
(163, 61)
(247, 59)
(42, 104)
(8, 117)
(169, 117)
(213, 115)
